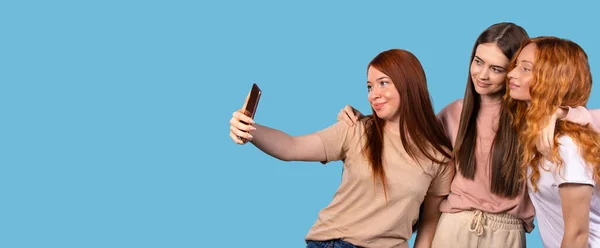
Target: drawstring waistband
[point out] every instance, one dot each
(476, 224)
(479, 219)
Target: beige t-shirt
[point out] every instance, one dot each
(358, 213)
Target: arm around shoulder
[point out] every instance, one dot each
(583, 116)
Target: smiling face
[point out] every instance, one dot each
(488, 70)
(521, 76)
(383, 95)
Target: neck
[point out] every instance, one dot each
(393, 126)
(491, 99)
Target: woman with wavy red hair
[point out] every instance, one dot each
(549, 73)
(394, 160)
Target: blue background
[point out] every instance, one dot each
(114, 114)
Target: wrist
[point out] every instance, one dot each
(562, 112)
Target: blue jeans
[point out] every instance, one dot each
(336, 243)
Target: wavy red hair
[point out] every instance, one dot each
(561, 77)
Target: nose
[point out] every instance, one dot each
(374, 93)
(512, 73)
(484, 74)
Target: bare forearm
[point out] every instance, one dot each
(581, 116)
(576, 203)
(577, 239)
(429, 221)
(595, 123)
(273, 142)
(426, 231)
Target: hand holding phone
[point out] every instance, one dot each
(250, 105)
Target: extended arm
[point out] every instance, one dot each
(276, 143)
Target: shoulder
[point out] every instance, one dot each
(452, 109)
(566, 145)
(574, 169)
(341, 130)
(569, 151)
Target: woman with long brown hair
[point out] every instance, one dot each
(489, 202)
(548, 73)
(394, 160)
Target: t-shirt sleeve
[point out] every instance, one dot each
(335, 139)
(449, 118)
(442, 117)
(440, 185)
(574, 169)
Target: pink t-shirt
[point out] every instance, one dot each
(476, 194)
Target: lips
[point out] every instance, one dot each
(378, 106)
(513, 85)
(483, 85)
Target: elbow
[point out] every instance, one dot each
(285, 159)
(289, 151)
(287, 156)
(576, 238)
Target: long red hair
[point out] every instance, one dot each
(561, 77)
(420, 130)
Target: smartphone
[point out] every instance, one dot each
(251, 104)
(252, 101)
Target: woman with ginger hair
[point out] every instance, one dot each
(549, 73)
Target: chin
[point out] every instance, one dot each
(480, 91)
(382, 115)
(518, 97)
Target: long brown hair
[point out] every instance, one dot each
(420, 130)
(505, 176)
(561, 77)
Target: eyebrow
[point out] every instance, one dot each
(379, 78)
(523, 60)
(496, 66)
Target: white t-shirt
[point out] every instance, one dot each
(547, 203)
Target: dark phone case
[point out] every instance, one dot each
(253, 101)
